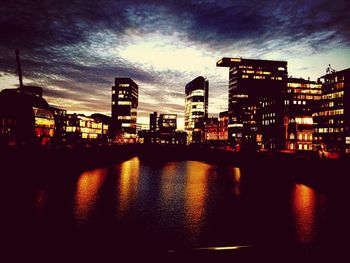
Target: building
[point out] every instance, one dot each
(301, 100)
(332, 120)
(153, 122)
(223, 126)
(82, 130)
(60, 125)
(162, 130)
(211, 129)
(196, 109)
(167, 122)
(255, 90)
(106, 121)
(124, 110)
(25, 117)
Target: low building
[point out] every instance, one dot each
(25, 117)
(162, 130)
(82, 130)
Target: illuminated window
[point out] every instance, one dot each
(281, 68)
(113, 91)
(245, 76)
(113, 102)
(234, 60)
(124, 102)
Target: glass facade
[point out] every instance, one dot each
(196, 109)
(255, 102)
(332, 118)
(124, 110)
(301, 100)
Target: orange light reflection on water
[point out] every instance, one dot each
(303, 207)
(236, 171)
(86, 194)
(128, 184)
(168, 184)
(195, 196)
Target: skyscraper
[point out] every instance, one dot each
(124, 110)
(196, 109)
(255, 91)
(301, 99)
(333, 117)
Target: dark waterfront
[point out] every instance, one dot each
(141, 206)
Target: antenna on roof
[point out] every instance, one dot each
(330, 70)
(19, 69)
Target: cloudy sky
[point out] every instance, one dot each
(75, 49)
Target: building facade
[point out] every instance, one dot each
(223, 126)
(255, 102)
(196, 109)
(82, 130)
(332, 131)
(301, 100)
(25, 117)
(124, 110)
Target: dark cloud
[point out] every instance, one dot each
(62, 41)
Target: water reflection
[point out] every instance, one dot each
(87, 190)
(168, 182)
(40, 204)
(128, 184)
(195, 197)
(303, 207)
(236, 171)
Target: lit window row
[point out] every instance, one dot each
(198, 92)
(124, 102)
(329, 130)
(276, 78)
(305, 137)
(263, 72)
(268, 122)
(335, 95)
(331, 112)
(304, 120)
(259, 77)
(248, 71)
(268, 115)
(242, 66)
(124, 117)
(299, 102)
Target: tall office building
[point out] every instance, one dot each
(124, 110)
(255, 90)
(333, 117)
(196, 109)
(153, 124)
(301, 100)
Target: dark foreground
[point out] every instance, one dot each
(172, 204)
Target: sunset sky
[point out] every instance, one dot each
(75, 49)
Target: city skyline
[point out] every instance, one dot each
(70, 48)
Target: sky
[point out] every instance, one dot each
(74, 49)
